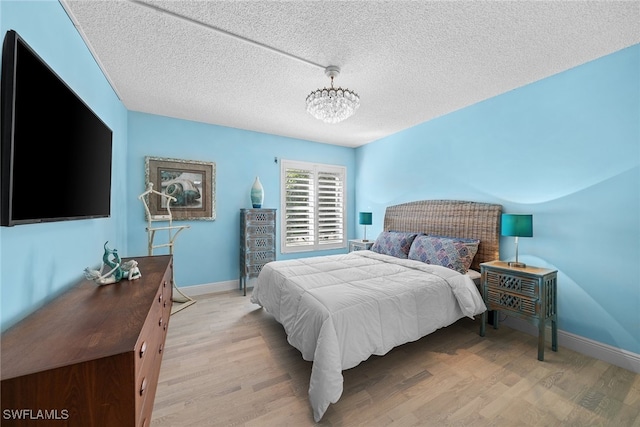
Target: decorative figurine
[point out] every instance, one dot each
(131, 270)
(117, 271)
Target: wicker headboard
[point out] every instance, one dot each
(454, 218)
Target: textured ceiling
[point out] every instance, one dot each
(409, 61)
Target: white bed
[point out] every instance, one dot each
(339, 310)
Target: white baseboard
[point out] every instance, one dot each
(211, 288)
(615, 356)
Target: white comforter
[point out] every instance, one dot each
(340, 309)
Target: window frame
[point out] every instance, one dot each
(317, 169)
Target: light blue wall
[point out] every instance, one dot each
(208, 252)
(38, 261)
(567, 150)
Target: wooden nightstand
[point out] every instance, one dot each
(360, 245)
(529, 293)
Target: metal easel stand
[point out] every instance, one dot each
(173, 231)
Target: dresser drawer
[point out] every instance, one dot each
(266, 230)
(512, 283)
(260, 257)
(146, 350)
(152, 334)
(259, 243)
(258, 217)
(145, 393)
(147, 356)
(167, 298)
(499, 299)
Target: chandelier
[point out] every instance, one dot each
(332, 105)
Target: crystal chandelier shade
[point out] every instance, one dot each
(332, 105)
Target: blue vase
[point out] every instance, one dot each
(257, 194)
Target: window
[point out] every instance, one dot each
(313, 206)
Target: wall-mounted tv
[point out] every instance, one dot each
(55, 162)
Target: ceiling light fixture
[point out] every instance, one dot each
(332, 105)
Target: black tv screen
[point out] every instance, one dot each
(56, 153)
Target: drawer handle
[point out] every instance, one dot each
(160, 349)
(160, 298)
(160, 322)
(143, 348)
(143, 386)
(164, 283)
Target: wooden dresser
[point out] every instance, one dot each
(257, 242)
(90, 357)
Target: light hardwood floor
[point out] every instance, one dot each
(227, 363)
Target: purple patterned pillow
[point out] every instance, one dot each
(394, 243)
(451, 252)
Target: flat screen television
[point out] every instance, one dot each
(55, 152)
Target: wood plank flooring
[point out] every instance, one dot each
(227, 363)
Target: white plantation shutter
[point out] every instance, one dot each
(330, 208)
(313, 206)
(299, 208)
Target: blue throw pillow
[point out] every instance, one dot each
(451, 252)
(394, 243)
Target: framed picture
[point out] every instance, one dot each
(192, 183)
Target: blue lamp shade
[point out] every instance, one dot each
(365, 218)
(517, 225)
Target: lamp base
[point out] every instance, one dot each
(517, 264)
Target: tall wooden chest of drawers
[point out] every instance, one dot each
(91, 357)
(529, 293)
(257, 242)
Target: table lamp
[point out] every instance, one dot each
(365, 218)
(517, 225)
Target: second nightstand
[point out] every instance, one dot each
(359, 245)
(529, 293)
